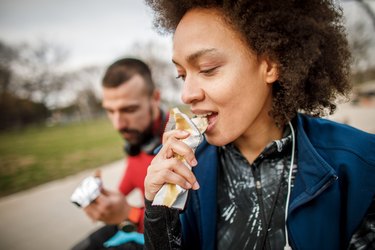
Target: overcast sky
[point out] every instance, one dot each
(92, 31)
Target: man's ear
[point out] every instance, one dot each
(155, 101)
(156, 96)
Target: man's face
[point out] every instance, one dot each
(130, 109)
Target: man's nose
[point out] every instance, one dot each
(119, 121)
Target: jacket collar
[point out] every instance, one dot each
(314, 173)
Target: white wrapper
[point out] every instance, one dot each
(172, 195)
(87, 191)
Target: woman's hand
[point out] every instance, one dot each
(166, 168)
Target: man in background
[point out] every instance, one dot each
(133, 106)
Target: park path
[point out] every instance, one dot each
(44, 218)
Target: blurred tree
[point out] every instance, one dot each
(7, 56)
(80, 98)
(16, 112)
(38, 73)
(85, 84)
(88, 104)
(360, 25)
(360, 42)
(163, 71)
(26, 80)
(370, 12)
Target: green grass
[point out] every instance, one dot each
(37, 155)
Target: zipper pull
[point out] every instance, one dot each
(258, 184)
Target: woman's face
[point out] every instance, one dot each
(222, 77)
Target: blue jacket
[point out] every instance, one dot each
(334, 186)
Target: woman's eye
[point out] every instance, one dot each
(209, 72)
(182, 77)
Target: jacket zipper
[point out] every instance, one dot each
(258, 188)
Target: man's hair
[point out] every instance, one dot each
(306, 38)
(124, 69)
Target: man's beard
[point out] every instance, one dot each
(139, 137)
(133, 147)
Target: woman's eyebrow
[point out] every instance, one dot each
(196, 55)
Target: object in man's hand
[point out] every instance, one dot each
(87, 191)
(172, 195)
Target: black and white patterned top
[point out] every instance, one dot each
(252, 199)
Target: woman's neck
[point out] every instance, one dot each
(256, 138)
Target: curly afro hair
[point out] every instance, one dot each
(306, 38)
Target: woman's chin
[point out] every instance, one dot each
(216, 140)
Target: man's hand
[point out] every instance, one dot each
(110, 207)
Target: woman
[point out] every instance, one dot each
(251, 67)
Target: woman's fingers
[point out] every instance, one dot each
(168, 166)
(180, 169)
(178, 134)
(171, 171)
(172, 146)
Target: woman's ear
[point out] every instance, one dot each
(272, 71)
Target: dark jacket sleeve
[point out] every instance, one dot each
(162, 228)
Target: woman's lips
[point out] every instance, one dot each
(209, 115)
(211, 121)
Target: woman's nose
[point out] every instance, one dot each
(191, 91)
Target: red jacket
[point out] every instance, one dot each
(137, 165)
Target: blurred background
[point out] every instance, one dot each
(52, 57)
(52, 127)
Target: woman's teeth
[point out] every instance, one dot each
(204, 115)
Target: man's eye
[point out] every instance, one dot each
(130, 110)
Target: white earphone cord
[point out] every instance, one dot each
(287, 246)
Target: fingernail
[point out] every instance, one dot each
(193, 162)
(196, 185)
(183, 132)
(187, 185)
